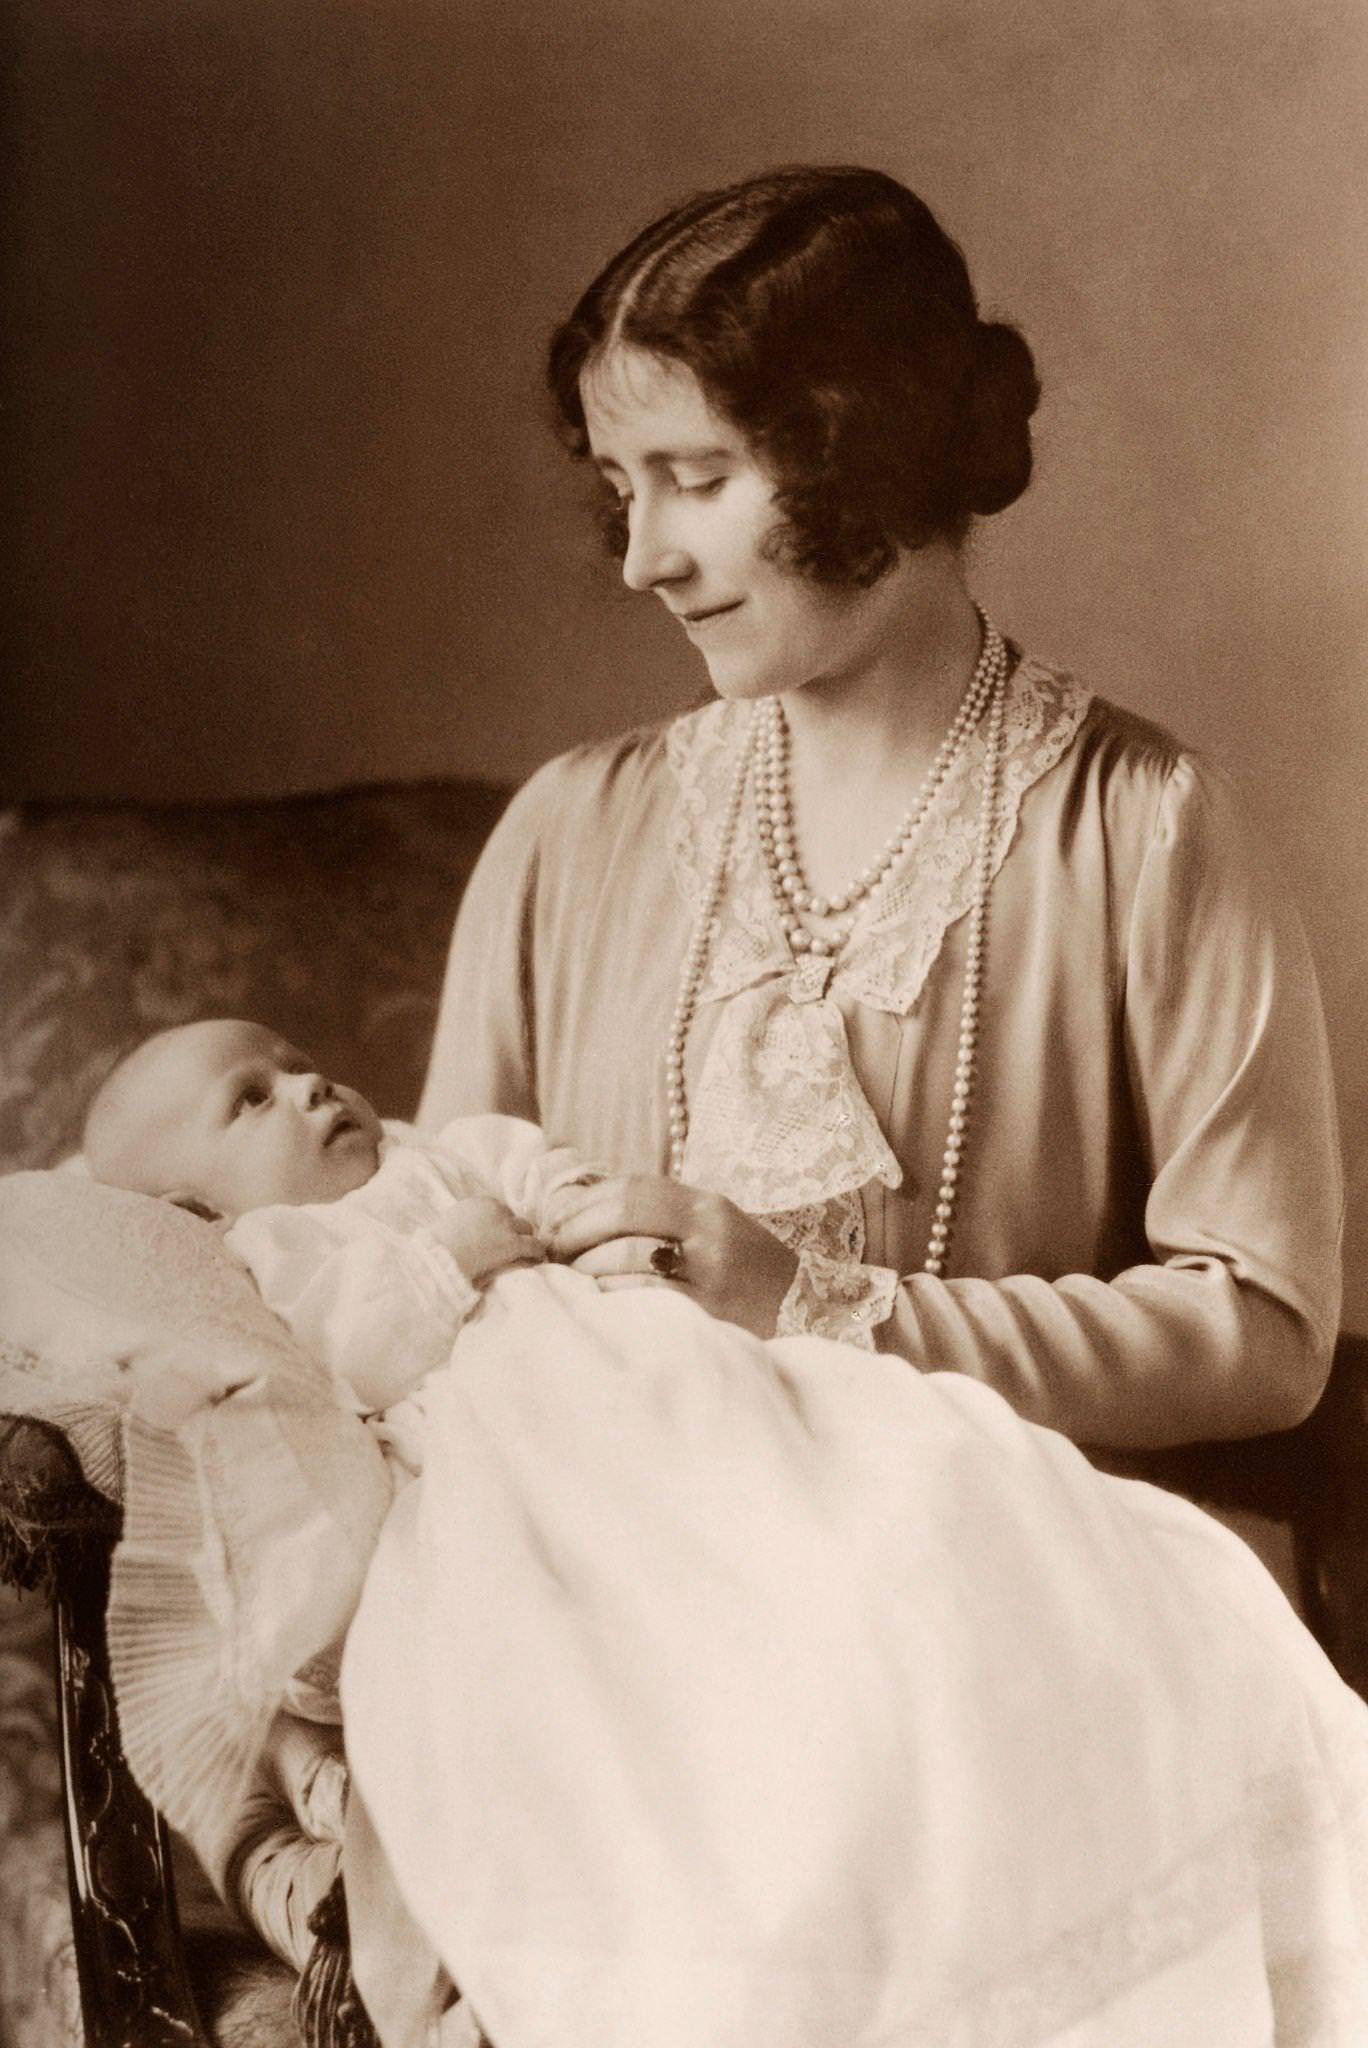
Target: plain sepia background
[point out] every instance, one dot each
(290, 514)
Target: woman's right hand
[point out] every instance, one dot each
(724, 1259)
(485, 1238)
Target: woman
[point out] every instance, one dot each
(712, 1687)
(927, 999)
(766, 1692)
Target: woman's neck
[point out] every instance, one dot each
(884, 718)
(861, 743)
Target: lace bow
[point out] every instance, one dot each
(778, 1121)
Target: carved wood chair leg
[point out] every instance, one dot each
(135, 1992)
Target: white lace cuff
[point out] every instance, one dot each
(837, 1298)
(450, 1293)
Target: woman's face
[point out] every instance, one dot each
(700, 510)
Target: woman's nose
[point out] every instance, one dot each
(653, 555)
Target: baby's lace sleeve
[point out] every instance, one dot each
(379, 1307)
(518, 1163)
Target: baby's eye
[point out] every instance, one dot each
(249, 1097)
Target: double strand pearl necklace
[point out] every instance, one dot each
(836, 915)
(814, 953)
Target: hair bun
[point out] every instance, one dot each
(1003, 394)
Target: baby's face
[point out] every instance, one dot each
(230, 1116)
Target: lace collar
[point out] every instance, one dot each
(889, 954)
(778, 1120)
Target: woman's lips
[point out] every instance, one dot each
(696, 621)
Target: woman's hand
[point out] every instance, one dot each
(485, 1237)
(727, 1261)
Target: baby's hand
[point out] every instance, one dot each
(485, 1237)
(559, 1207)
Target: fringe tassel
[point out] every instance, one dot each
(52, 1523)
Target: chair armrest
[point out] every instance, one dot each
(57, 1532)
(1331, 1522)
(129, 1958)
(1315, 1478)
(133, 1967)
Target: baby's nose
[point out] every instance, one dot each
(312, 1090)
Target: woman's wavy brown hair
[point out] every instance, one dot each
(829, 317)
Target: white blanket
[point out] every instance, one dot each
(711, 1693)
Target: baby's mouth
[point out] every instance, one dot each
(343, 1122)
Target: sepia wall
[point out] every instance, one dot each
(289, 511)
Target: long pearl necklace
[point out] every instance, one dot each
(814, 952)
(774, 822)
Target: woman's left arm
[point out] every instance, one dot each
(1229, 1330)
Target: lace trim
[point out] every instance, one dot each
(747, 942)
(778, 1120)
(1267, 1866)
(890, 952)
(834, 1298)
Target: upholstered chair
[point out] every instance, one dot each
(328, 918)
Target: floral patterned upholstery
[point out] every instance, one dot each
(326, 917)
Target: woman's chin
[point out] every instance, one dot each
(742, 684)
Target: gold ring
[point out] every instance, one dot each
(667, 1259)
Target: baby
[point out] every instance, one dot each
(373, 1249)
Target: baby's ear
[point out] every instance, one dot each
(195, 1206)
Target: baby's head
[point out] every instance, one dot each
(223, 1116)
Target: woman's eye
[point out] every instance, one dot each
(707, 489)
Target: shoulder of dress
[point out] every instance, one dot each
(607, 757)
(1145, 781)
(592, 792)
(1123, 738)
(1112, 743)
(595, 771)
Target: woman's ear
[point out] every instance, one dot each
(184, 1200)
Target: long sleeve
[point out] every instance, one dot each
(516, 1161)
(482, 1055)
(1152, 1212)
(378, 1306)
(1229, 1330)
